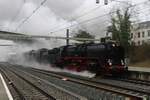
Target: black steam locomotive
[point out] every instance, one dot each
(108, 58)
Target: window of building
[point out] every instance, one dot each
(138, 42)
(148, 32)
(143, 34)
(143, 41)
(139, 34)
(131, 35)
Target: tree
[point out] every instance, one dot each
(83, 34)
(121, 28)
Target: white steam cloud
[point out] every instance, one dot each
(16, 57)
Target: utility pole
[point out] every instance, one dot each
(67, 36)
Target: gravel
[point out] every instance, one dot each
(85, 91)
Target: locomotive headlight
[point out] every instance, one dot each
(122, 63)
(110, 63)
(113, 45)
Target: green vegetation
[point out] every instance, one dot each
(145, 63)
(140, 53)
(120, 28)
(83, 34)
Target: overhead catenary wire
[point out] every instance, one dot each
(34, 11)
(82, 15)
(141, 10)
(94, 18)
(44, 2)
(58, 37)
(106, 20)
(85, 21)
(17, 14)
(88, 12)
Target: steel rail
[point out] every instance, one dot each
(10, 83)
(136, 81)
(66, 91)
(33, 85)
(103, 86)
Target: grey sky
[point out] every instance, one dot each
(57, 14)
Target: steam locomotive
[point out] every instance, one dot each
(106, 58)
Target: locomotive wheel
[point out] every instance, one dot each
(93, 67)
(60, 65)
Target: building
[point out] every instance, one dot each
(140, 33)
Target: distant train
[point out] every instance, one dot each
(105, 58)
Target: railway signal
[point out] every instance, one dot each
(105, 2)
(97, 1)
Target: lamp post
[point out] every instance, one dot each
(105, 2)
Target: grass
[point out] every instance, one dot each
(145, 63)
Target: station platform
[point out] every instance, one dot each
(139, 69)
(4, 91)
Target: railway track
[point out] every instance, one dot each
(137, 90)
(25, 89)
(134, 81)
(17, 95)
(29, 87)
(88, 93)
(132, 91)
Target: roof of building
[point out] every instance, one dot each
(145, 24)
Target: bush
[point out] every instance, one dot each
(139, 53)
